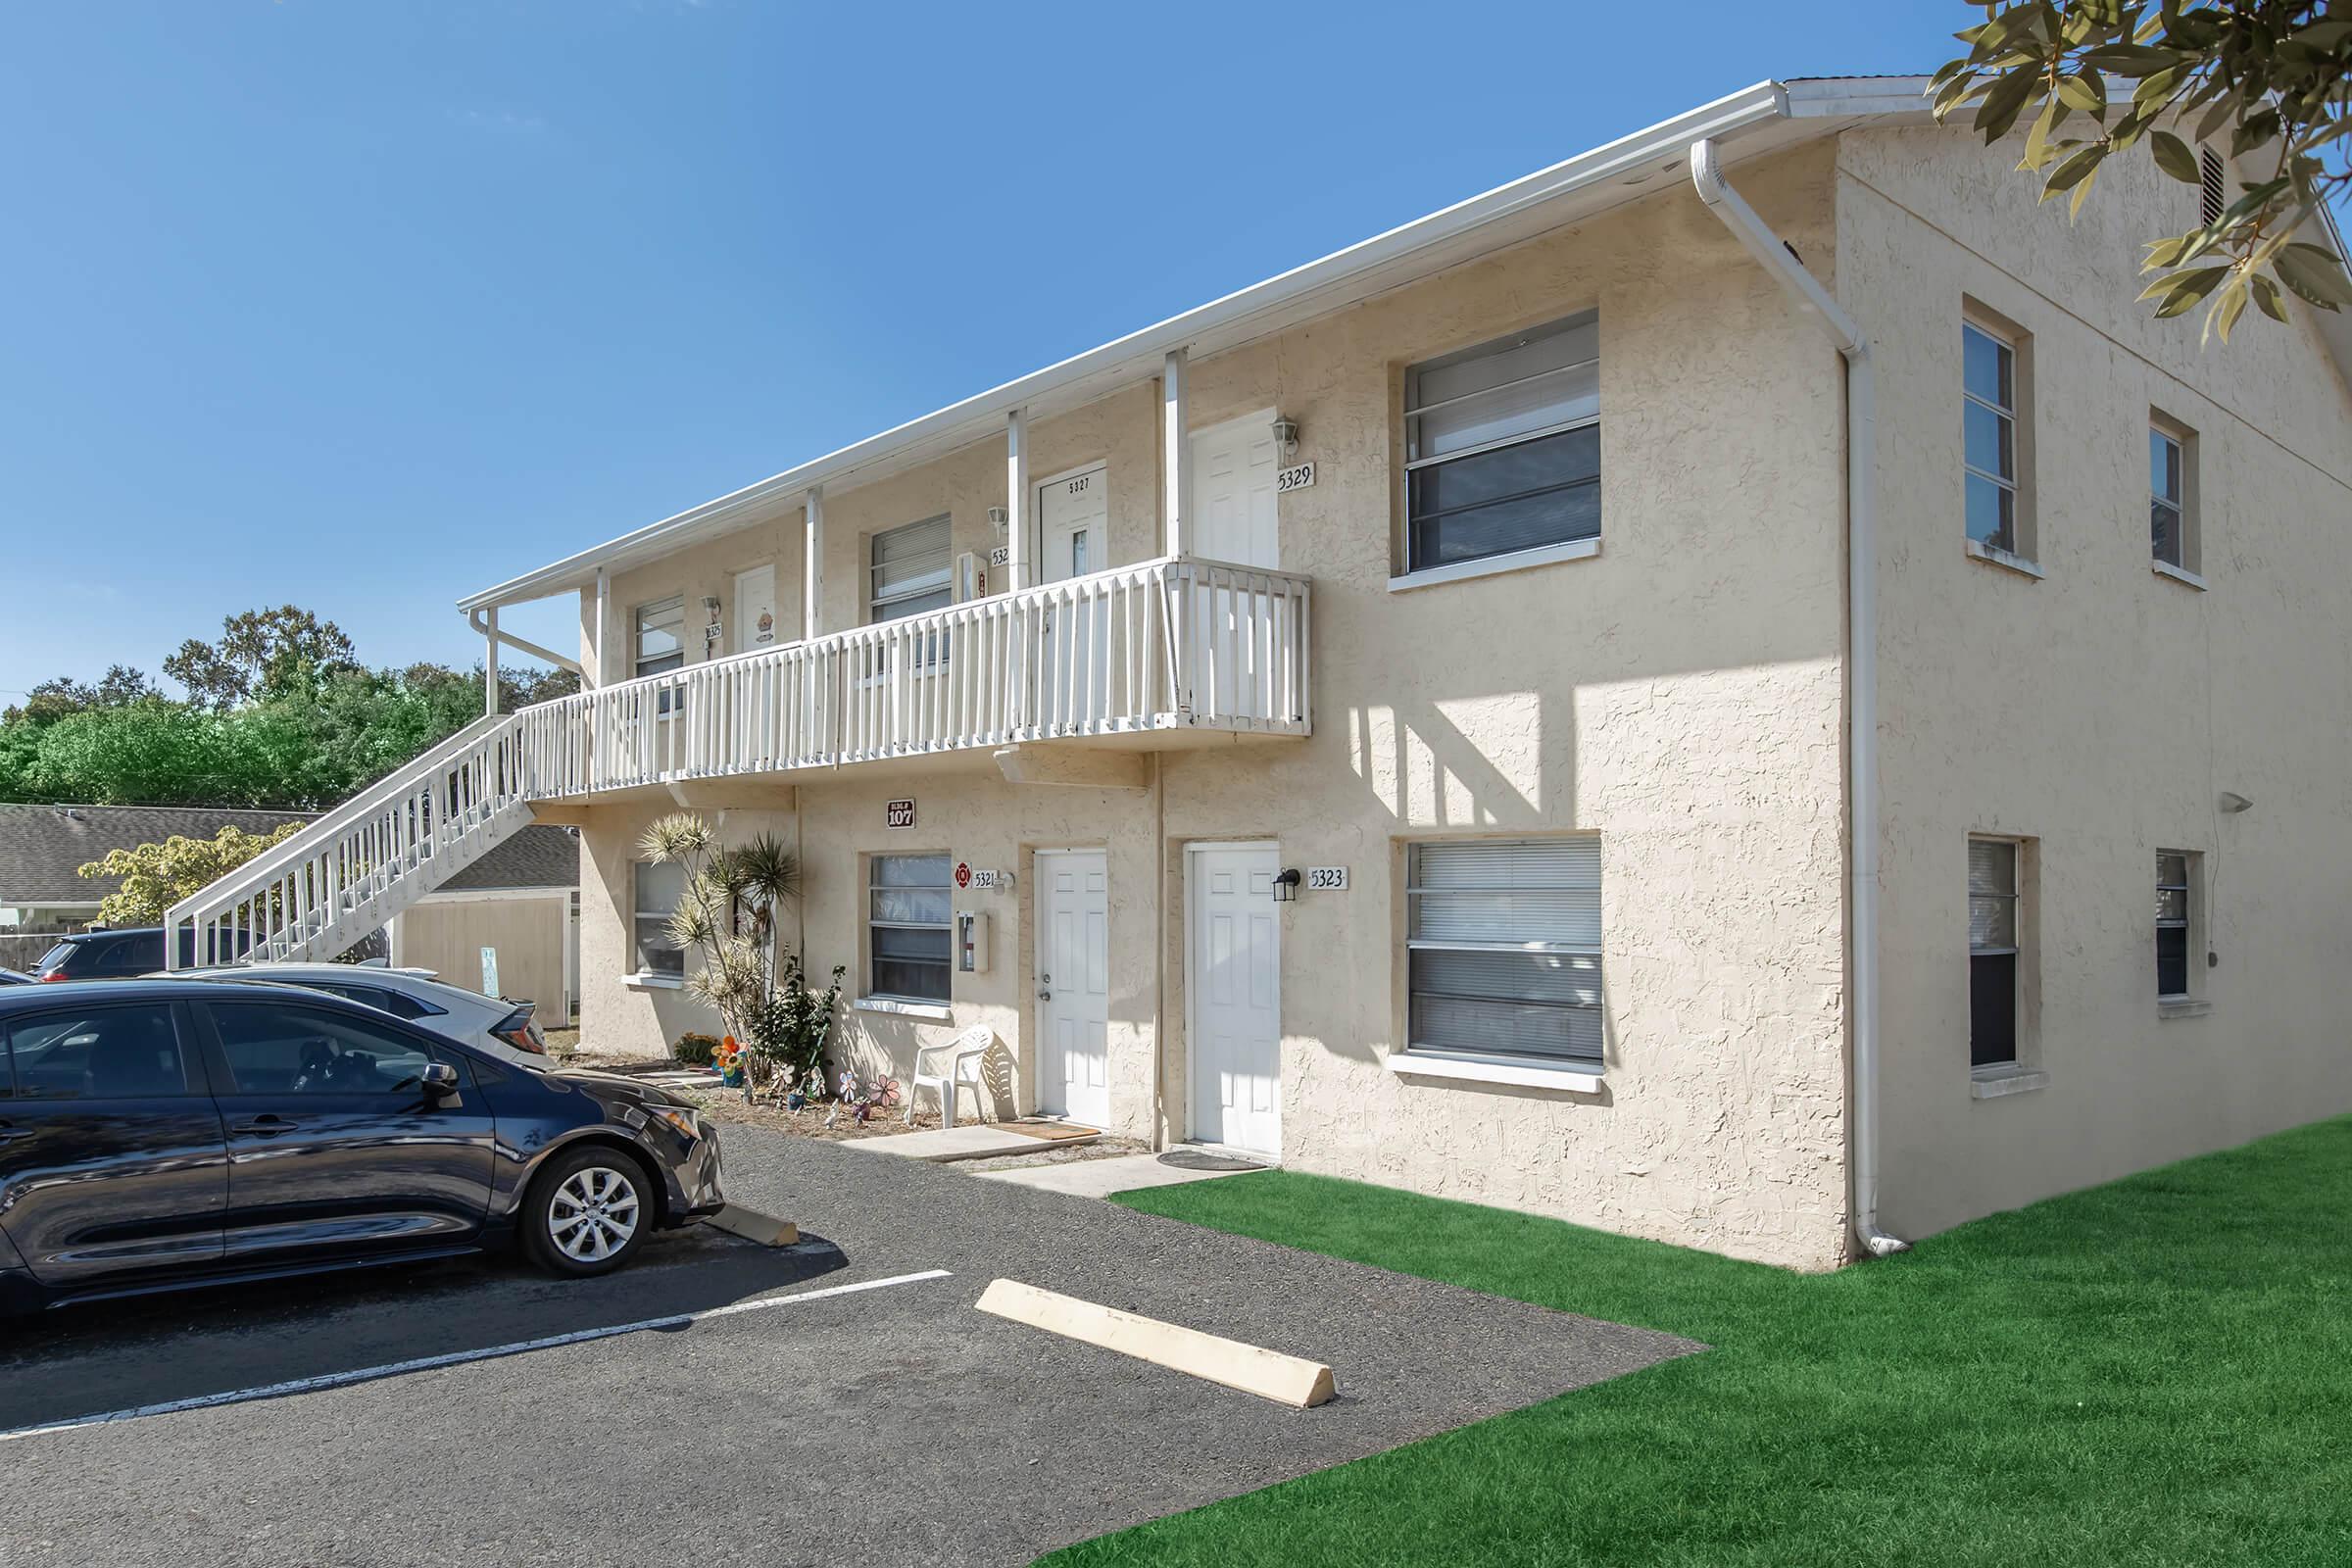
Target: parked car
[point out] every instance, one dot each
(121, 954)
(11, 977)
(502, 1027)
(130, 1144)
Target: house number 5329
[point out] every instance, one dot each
(1298, 479)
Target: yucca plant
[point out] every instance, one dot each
(728, 915)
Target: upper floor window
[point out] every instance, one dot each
(661, 636)
(1503, 446)
(1989, 429)
(2172, 493)
(913, 571)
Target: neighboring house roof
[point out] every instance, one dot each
(538, 857)
(41, 846)
(1767, 117)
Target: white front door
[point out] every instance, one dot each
(1073, 985)
(1233, 492)
(1235, 981)
(1073, 513)
(756, 607)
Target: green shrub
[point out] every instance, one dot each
(695, 1050)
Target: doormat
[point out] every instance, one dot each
(1202, 1159)
(1052, 1132)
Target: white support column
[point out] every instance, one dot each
(490, 665)
(1019, 501)
(604, 627)
(813, 571)
(1176, 457)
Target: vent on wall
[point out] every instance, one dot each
(2214, 196)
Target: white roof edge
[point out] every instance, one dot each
(1137, 353)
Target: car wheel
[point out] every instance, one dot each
(588, 1213)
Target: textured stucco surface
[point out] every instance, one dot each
(1678, 695)
(2101, 710)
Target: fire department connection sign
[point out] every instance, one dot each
(967, 877)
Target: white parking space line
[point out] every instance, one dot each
(426, 1363)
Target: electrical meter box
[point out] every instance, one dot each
(971, 943)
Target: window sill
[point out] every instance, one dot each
(2183, 1007)
(2178, 574)
(1992, 1083)
(906, 1009)
(1996, 556)
(654, 982)
(1567, 1080)
(1488, 566)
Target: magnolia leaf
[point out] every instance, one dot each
(2073, 170)
(2268, 298)
(2157, 87)
(2315, 274)
(2185, 289)
(2002, 104)
(2038, 148)
(2228, 108)
(2227, 310)
(2174, 157)
(2085, 92)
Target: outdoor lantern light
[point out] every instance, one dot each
(1286, 437)
(1286, 885)
(997, 518)
(2235, 802)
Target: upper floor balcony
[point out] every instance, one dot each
(1151, 656)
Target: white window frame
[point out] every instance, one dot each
(638, 659)
(2015, 952)
(1419, 1054)
(2186, 507)
(873, 885)
(2009, 417)
(879, 607)
(1417, 573)
(2186, 923)
(639, 952)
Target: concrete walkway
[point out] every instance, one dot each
(1099, 1178)
(979, 1140)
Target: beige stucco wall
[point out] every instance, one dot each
(448, 935)
(1679, 695)
(2100, 711)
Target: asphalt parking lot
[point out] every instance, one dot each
(777, 1416)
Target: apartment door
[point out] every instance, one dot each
(1233, 492)
(1073, 676)
(1073, 984)
(756, 609)
(1234, 980)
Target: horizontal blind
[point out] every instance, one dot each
(1991, 894)
(1533, 382)
(1504, 939)
(913, 562)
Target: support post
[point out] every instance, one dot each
(812, 569)
(490, 665)
(603, 626)
(1176, 458)
(1018, 499)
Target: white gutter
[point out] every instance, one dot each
(1328, 284)
(1861, 657)
(486, 624)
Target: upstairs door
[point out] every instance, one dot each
(1073, 690)
(1073, 985)
(1234, 978)
(1237, 522)
(756, 609)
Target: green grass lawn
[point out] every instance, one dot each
(2155, 1372)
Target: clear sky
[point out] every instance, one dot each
(364, 306)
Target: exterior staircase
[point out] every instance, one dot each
(344, 875)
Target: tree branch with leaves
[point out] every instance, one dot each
(2094, 80)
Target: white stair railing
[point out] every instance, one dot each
(349, 871)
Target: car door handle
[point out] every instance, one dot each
(9, 1134)
(267, 1126)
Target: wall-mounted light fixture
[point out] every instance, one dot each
(998, 517)
(711, 603)
(1286, 437)
(2234, 803)
(1286, 885)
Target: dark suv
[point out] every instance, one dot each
(123, 954)
(157, 1133)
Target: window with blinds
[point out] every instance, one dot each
(1503, 446)
(660, 886)
(1504, 950)
(2173, 891)
(913, 571)
(1991, 952)
(907, 920)
(661, 636)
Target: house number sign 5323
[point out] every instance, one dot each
(1327, 878)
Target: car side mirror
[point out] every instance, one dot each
(439, 1080)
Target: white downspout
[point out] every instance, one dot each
(1861, 654)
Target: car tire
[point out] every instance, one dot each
(588, 1213)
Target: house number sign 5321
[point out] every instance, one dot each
(897, 813)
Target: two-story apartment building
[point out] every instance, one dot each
(1737, 689)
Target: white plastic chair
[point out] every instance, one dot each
(945, 1063)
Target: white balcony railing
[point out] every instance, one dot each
(1165, 644)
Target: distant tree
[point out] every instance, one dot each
(156, 876)
(55, 698)
(262, 654)
(2270, 76)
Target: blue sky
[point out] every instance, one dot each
(362, 306)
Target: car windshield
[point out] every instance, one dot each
(56, 956)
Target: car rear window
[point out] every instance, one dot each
(124, 1053)
(55, 958)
